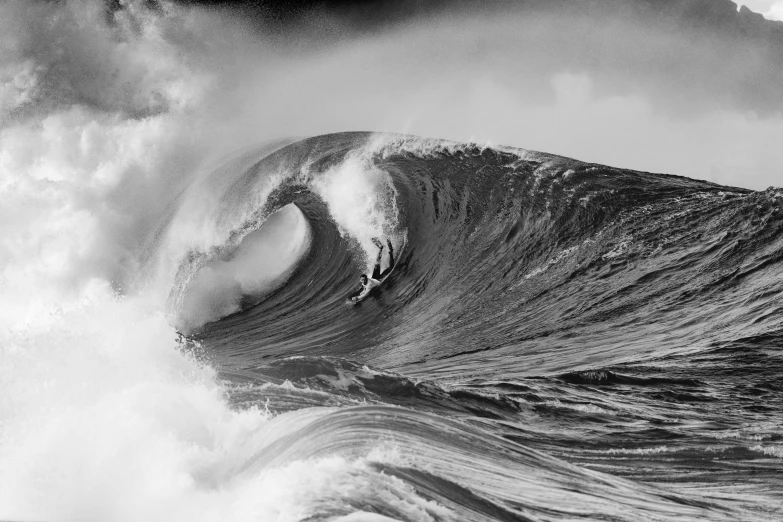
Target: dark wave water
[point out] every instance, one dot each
(559, 340)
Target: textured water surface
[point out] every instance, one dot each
(559, 340)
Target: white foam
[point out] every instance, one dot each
(620, 249)
(633, 451)
(553, 261)
(386, 144)
(104, 419)
(584, 408)
(772, 451)
(264, 261)
(362, 200)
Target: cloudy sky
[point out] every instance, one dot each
(771, 9)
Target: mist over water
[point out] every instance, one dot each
(262, 263)
(144, 193)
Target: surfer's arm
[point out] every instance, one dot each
(372, 283)
(362, 295)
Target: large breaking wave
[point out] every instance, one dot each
(530, 247)
(539, 301)
(543, 312)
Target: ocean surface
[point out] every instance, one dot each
(559, 340)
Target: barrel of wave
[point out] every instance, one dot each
(263, 262)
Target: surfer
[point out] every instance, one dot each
(374, 281)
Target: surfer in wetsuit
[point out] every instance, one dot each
(374, 281)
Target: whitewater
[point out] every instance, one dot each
(560, 340)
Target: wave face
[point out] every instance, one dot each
(544, 312)
(558, 340)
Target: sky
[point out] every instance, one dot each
(771, 9)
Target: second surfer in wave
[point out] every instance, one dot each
(377, 277)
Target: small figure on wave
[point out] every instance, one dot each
(378, 277)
